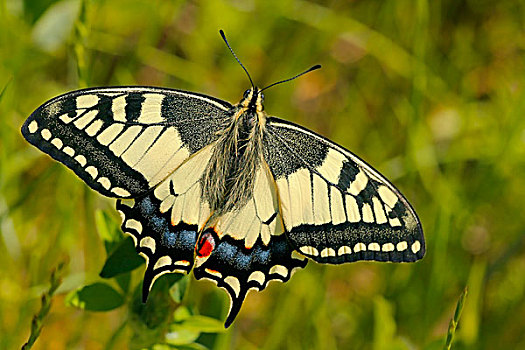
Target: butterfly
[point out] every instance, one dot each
(239, 197)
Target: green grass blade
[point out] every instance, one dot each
(5, 88)
(455, 320)
(38, 319)
(79, 45)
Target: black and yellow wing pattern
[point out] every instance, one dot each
(152, 148)
(336, 208)
(123, 141)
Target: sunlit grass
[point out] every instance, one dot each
(455, 320)
(430, 93)
(38, 319)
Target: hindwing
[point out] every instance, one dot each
(259, 218)
(245, 248)
(335, 207)
(123, 141)
(174, 228)
(238, 269)
(166, 247)
(166, 222)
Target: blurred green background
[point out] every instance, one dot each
(432, 93)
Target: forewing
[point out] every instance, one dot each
(245, 249)
(335, 207)
(123, 141)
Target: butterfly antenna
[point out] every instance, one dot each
(317, 66)
(237, 58)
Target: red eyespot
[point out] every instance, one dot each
(206, 245)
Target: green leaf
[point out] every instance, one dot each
(182, 313)
(178, 289)
(161, 347)
(95, 297)
(124, 280)
(54, 27)
(192, 346)
(179, 335)
(157, 312)
(33, 9)
(203, 324)
(123, 259)
(108, 230)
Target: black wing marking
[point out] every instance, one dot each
(166, 222)
(122, 141)
(259, 217)
(245, 248)
(167, 248)
(336, 208)
(235, 268)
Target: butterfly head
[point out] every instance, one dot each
(252, 100)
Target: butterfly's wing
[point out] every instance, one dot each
(335, 207)
(246, 249)
(126, 141)
(123, 141)
(165, 222)
(165, 247)
(239, 250)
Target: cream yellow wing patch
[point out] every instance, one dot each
(335, 207)
(181, 193)
(323, 184)
(258, 218)
(124, 141)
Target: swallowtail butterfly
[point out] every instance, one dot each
(238, 196)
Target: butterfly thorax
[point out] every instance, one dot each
(229, 178)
